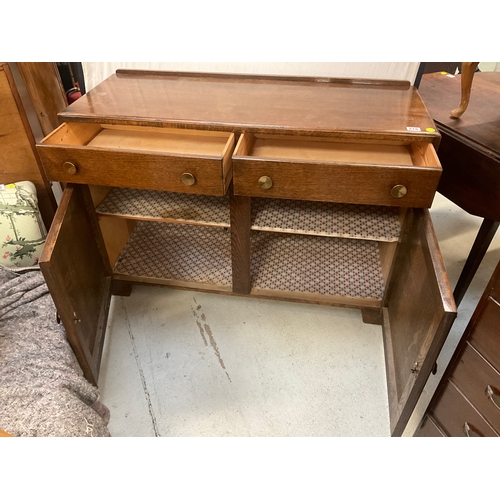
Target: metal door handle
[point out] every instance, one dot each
(471, 431)
(490, 394)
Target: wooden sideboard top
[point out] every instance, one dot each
(290, 105)
(480, 124)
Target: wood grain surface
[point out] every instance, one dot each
(311, 106)
(336, 182)
(480, 124)
(429, 428)
(45, 87)
(457, 417)
(140, 170)
(485, 336)
(78, 275)
(474, 366)
(19, 160)
(472, 376)
(240, 211)
(419, 312)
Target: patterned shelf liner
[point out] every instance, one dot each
(161, 206)
(268, 214)
(338, 220)
(286, 262)
(178, 252)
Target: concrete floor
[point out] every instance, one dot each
(180, 363)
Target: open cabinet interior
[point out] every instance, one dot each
(328, 252)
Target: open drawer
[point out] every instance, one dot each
(187, 161)
(322, 169)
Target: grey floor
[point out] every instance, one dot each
(179, 363)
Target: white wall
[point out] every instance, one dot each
(96, 72)
(489, 66)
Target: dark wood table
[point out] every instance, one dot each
(470, 155)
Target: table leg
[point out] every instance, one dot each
(481, 243)
(468, 70)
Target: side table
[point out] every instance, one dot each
(470, 156)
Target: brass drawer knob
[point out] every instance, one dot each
(265, 182)
(188, 179)
(70, 168)
(398, 191)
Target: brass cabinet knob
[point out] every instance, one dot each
(398, 191)
(70, 168)
(188, 179)
(265, 182)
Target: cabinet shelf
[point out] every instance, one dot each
(181, 254)
(309, 265)
(377, 223)
(189, 255)
(163, 206)
(326, 219)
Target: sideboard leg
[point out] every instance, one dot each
(372, 316)
(121, 288)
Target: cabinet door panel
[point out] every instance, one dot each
(418, 314)
(78, 275)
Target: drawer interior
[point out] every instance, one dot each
(139, 138)
(317, 149)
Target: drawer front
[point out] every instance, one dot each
(139, 159)
(457, 417)
(480, 384)
(485, 336)
(429, 429)
(335, 178)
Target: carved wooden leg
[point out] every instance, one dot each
(468, 70)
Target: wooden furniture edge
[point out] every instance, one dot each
(146, 73)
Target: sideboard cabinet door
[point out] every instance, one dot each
(78, 275)
(418, 314)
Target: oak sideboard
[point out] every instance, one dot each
(294, 188)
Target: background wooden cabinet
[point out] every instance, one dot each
(467, 400)
(30, 98)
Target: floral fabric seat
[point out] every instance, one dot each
(22, 231)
